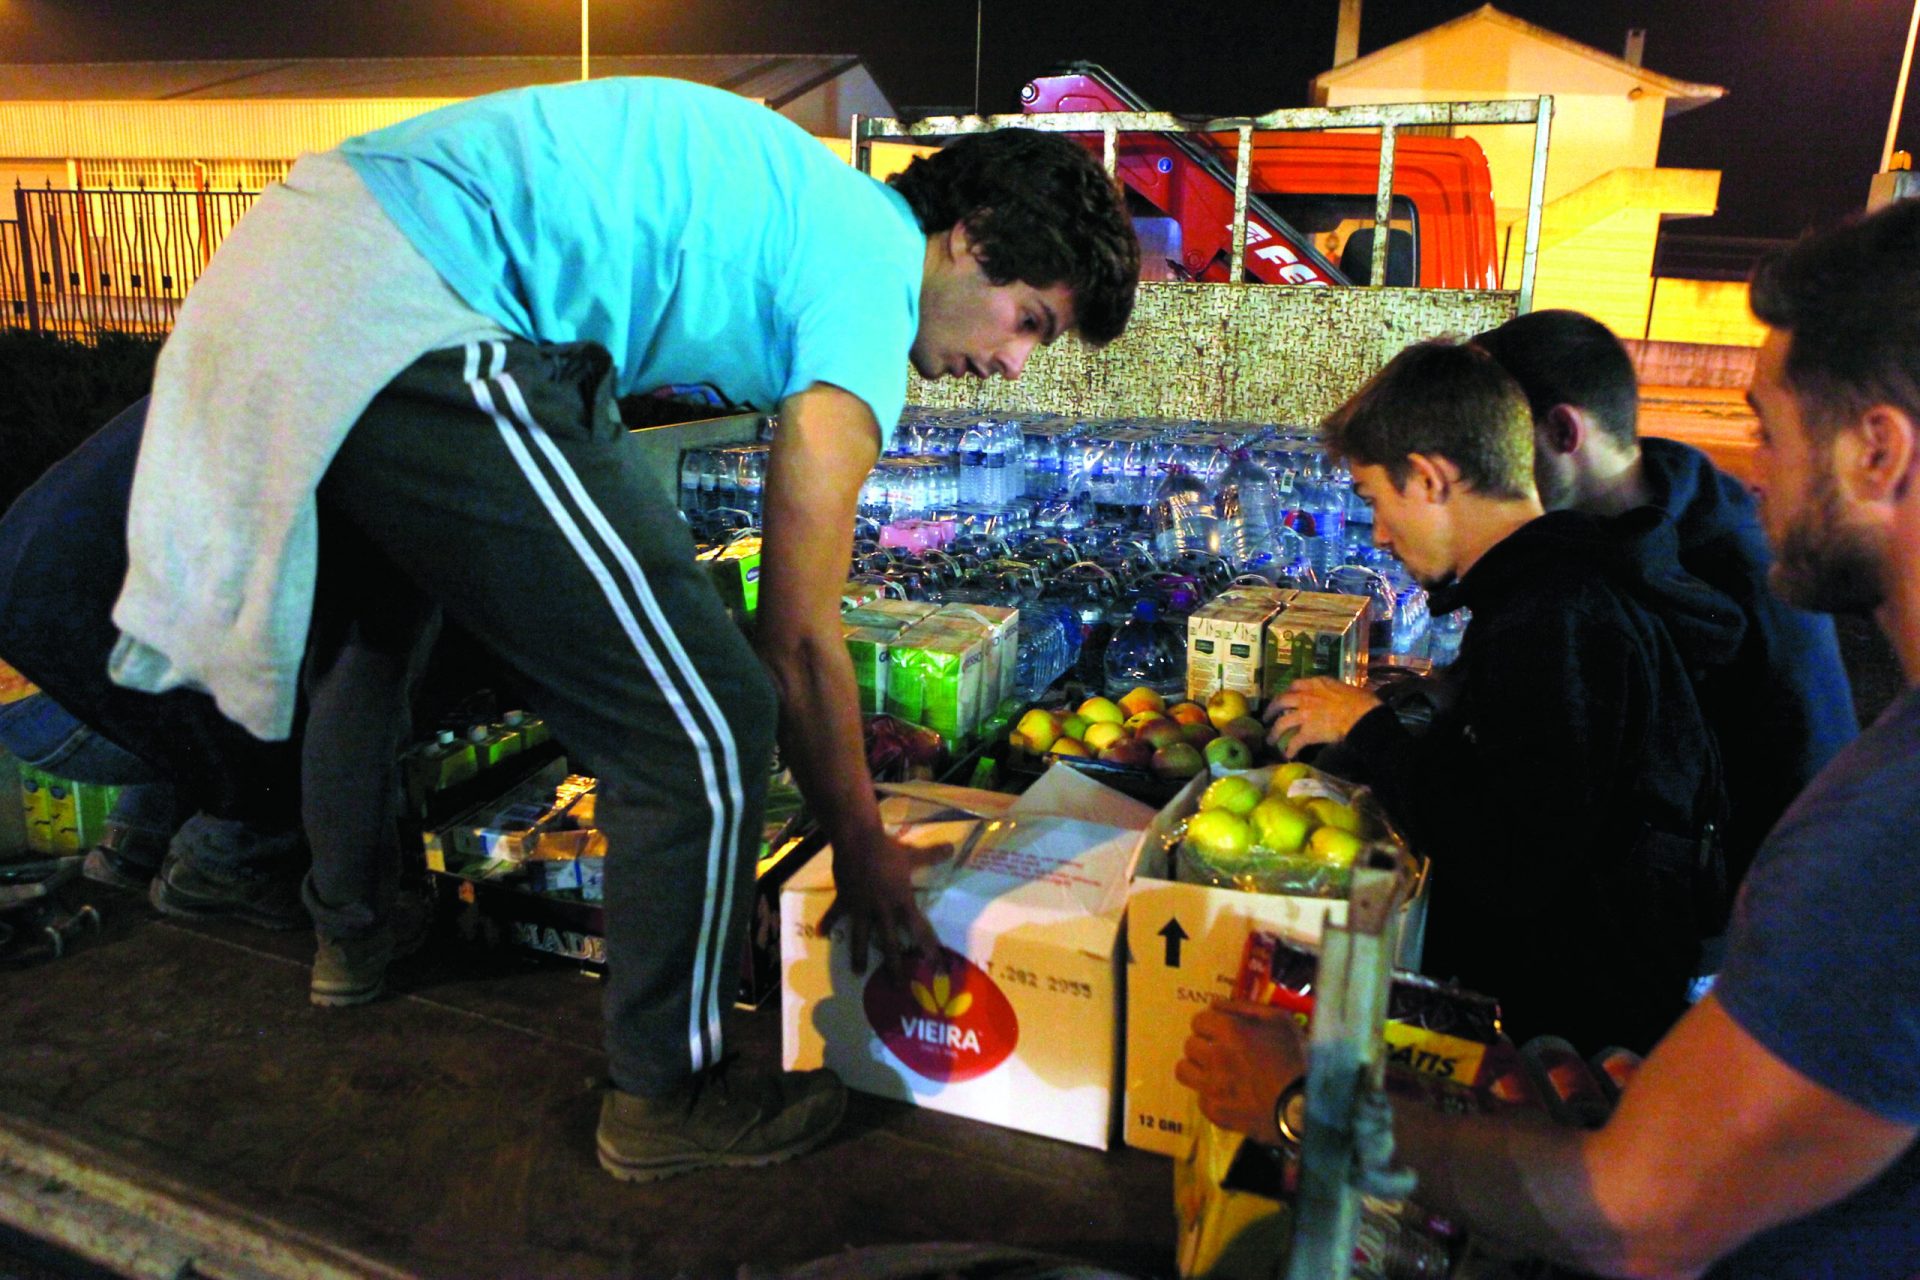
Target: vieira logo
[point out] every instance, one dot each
(949, 1021)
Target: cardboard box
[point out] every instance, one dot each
(1317, 634)
(1016, 1021)
(1227, 641)
(1186, 942)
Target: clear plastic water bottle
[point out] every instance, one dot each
(1183, 515)
(690, 465)
(1323, 522)
(1445, 633)
(1247, 508)
(972, 453)
(1146, 650)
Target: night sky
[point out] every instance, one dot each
(1810, 82)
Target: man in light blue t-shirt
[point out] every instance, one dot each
(391, 399)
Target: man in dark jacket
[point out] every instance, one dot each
(1782, 707)
(1566, 785)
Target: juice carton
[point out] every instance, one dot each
(939, 667)
(1317, 634)
(872, 664)
(1226, 641)
(1003, 648)
(736, 574)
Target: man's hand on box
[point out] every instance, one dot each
(1240, 1058)
(873, 893)
(1315, 710)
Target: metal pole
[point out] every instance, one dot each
(1242, 179)
(1900, 92)
(1536, 202)
(583, 38)
(1383, 210)
(979, 33)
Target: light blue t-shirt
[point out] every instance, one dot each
(704, 240)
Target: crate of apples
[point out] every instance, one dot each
(1143, 731)
(1292, 831)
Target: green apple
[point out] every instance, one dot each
(1181, 760)
(1101, 711)
(1039, 728)
(1333, 846)
(1139, 720)
(1235, 795)
(1332, 813)
(1102, 734)
(1280, 825)
(1221, 838)
(1229, 753)
(1075, 727)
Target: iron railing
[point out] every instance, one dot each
(79, 263)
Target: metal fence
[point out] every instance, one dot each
(77, 264)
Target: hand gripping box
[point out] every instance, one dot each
(1015, 1022)
(1186, 943)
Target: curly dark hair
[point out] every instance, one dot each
(1042, 211)
(1850, 299)
(1441, 398)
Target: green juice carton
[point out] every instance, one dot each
(941, 665)
(1003, 648)
(736, 574)
(869, 647)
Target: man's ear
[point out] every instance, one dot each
(1563, 430)
(1430, 478)
(1875, 458)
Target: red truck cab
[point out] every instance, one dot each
(1311, 204)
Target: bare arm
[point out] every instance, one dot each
(827, 444)
(1715, 1141)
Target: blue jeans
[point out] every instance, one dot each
(42, 733)
(63, 556)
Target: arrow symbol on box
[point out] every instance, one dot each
(1174, 935)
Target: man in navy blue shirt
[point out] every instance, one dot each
(1773, 1131)
(1781, 708)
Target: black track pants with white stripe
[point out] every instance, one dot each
(498, 484)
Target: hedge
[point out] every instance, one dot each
(54, 394)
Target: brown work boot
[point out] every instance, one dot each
(349, 971)
(722, 1119)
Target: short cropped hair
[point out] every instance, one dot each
(1850, 298)
(1041, 210)
(1442, 398)
(1563, 357)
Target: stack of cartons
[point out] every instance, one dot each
(1227, 639)
(1317, 634)
(937, 675)
(870, 631)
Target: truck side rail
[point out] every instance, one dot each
(1388, 118)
